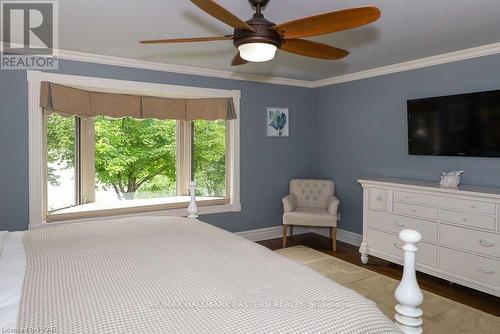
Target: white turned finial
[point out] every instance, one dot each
(410, 236)
(192, 209)
(408, 293)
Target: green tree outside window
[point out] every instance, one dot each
(137, 158)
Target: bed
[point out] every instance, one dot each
(168, 275)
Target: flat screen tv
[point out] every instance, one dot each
(456, 125)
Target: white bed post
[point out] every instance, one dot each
(192, 209)
(408, 293)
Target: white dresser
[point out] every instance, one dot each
(460, 229)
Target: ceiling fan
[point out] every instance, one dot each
(258, 39)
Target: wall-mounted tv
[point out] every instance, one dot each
(456, 125)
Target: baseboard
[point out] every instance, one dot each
(348, 237)
(269, 233)
(276, 232)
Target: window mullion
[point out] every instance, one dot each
(87, 160)
(45, 165)
(228, 160)
(187, 152)
(233, 160)
(190, 152)
(179, 155)
(183, 159)
(77, 161)
(188, 155)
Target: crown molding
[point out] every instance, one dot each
(476, 52)
(181, 69)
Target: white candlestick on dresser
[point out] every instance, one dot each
(408, 294)
(192, 209)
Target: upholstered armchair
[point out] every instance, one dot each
(311, 203)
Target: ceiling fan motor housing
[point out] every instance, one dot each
(261, 3)
(263, 33)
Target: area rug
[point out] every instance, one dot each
(441, 315)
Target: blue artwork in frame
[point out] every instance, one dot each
(278, 122)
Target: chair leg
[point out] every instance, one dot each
(291, 231)
(333, 237)
(284, 235)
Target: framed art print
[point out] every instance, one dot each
(278, 122)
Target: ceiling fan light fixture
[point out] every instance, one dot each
(257, 52)
(258, 39)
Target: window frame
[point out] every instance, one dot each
(37, 149)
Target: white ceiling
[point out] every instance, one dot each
(407, 30)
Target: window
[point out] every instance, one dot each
(134, 159)
(91, 167)
(209, 141)
(61, 162)
(105, 164)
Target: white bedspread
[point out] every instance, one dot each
(174, 275)
(12, 265)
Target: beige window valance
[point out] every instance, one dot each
(79, 102)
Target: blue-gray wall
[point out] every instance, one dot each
(361, 130)
(344, 132)
(266, 163)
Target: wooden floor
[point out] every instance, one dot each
(349, 253)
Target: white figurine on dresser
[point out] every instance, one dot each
(459, 227)
(450, 179)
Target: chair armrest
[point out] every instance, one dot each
(289, 203)
(333, 205)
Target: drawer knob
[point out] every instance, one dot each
(473, 206)
(486, 270)
(486, 243)
(398, 224)
(398, 245)
(379, 198)
(464, 219)
(408, 197)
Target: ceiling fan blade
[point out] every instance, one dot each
(328, 22)
(312, 49)
(237, 60)
(222, 14)
(187, 40)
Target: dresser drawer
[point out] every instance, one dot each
(415, 210)
(391, 244)
(467, 205)
(402, 196)
(378, 199)
(468, 219)
(470, 266)
(394, 224)
(471, 240)
(446, 202)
